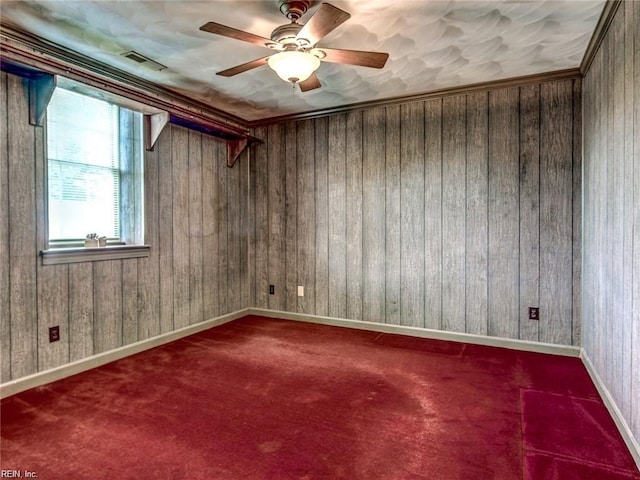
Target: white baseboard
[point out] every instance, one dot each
(614, 411)
(564, 350)
(41, 378)
(514, 344)
(48, 376)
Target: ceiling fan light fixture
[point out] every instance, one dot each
(293, 66)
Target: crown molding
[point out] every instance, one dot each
(25, 52)
(602, 27)
(568, 74)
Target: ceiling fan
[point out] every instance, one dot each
(296, 56)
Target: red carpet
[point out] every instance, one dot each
(554, 468)
(549, 428)
(272, 399)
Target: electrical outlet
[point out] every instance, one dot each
(54, 334)
(300, 290)
(534, 313)
(272, 289)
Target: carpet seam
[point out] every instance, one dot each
(528, 448)
(579, 461)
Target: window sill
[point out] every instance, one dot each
(59, 256)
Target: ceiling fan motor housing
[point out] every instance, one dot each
(287, 35)
(293, 9)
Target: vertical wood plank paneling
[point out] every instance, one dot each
(291, 215)
(588, 245)
(635, 134)
(529, 209)
(251, 225)
(165, 224)
(180, 160)
(617, 203)
(195, 227)
(453, 213)
(53, 310)
(354, 215)
(107, 304)
(244, 234)
(129, 301)
(22, 233)
(5, 313)
(337, 217)
(262, 218)
(148, 268)
(477, 194)
(373, 215)
(433, 214)
(591, 259)
(607, 211)
(210, 164)
(626, 322)
(81, 317)
(587, 214)
(234, 275)
(392, 215)
(412, 216)
(556, 177)
(503, 213)
(601, 220)
(576, 203)
(306, 215)
(52, 281)
(275, 191)
(597, 180)
(611, 270)
(591, 255)
(223, 232)
(321, 281)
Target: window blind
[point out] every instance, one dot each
(83, 167)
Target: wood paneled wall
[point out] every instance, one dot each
(612, 212)
(195, 223)
(455, 213)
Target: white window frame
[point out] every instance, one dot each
(131, 244)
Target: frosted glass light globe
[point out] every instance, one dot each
(293, 66)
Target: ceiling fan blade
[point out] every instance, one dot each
(326, 19)
(310, 83)
(355, 57)
(230, 72)
(230, 32)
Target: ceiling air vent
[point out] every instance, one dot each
(144, 61)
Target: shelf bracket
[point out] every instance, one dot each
(153, 126)
(235, 147)
(41, 87)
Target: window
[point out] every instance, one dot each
(94, 176)
(94, 170)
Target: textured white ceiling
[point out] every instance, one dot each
(431, 44)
